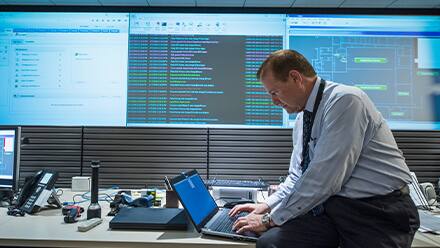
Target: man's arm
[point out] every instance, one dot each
(336, 153)
(285, 188)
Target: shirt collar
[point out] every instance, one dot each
(311, 100)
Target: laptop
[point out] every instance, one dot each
(203, 211)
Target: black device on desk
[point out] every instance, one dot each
(150, 219)
(37, 191)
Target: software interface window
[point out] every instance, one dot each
(198, 70)
(390, 58)
(186, 71)
(58, 63)
(7, 139)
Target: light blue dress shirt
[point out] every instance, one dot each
(352, 154)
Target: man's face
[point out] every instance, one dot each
(290, 95)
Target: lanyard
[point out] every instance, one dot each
(315, 109)
(317, 101)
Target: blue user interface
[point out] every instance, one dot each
(199, 70)
(195, 197)
(7, 158)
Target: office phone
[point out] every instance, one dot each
(37, 191)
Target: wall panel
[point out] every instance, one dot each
(422, 153)
(56, 148)
(140, 157)
(249, 153)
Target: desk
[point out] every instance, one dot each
(47, 229)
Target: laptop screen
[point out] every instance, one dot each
(195, 197)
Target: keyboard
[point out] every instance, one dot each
(224, 223)
(236, 183)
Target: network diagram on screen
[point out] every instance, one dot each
(198, 70)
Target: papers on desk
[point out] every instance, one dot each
(429, 222)
(416, 193)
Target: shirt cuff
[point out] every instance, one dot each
(273, 200)
(280, 216)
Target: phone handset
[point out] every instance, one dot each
(26, 191)
(37, 191)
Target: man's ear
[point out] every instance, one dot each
(295, 76)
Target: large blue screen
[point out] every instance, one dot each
(198, 70)
(394, 59)
(63, 68)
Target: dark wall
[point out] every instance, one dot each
(56, 148)
(139, 157)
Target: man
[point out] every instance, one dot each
(347, 179)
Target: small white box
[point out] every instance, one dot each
(80, 184)
(234, 193)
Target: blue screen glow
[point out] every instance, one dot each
(198, 70)
(195, 197)
(394, 59)
(7, 157)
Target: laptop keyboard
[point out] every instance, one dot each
(236, 183)
(224, 223)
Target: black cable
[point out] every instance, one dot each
(108, 198)
(59, 193)
(76, 202)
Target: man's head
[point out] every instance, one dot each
(288, 77)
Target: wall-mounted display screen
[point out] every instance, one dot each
(394, 59)
(198, 70)
(63, 68)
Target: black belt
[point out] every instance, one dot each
(396, 193)
(400, 192)
(404, 191)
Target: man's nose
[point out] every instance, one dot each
(276, 101)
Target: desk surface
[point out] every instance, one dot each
(47, 229)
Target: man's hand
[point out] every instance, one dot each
(252, 222)
(259, 208)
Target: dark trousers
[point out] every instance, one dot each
(384, 221)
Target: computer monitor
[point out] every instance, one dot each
(9, 147)
(198, 69)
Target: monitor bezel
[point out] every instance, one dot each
(217, 9)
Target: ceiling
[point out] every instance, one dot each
(418, 4)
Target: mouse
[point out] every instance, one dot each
(234, 203)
